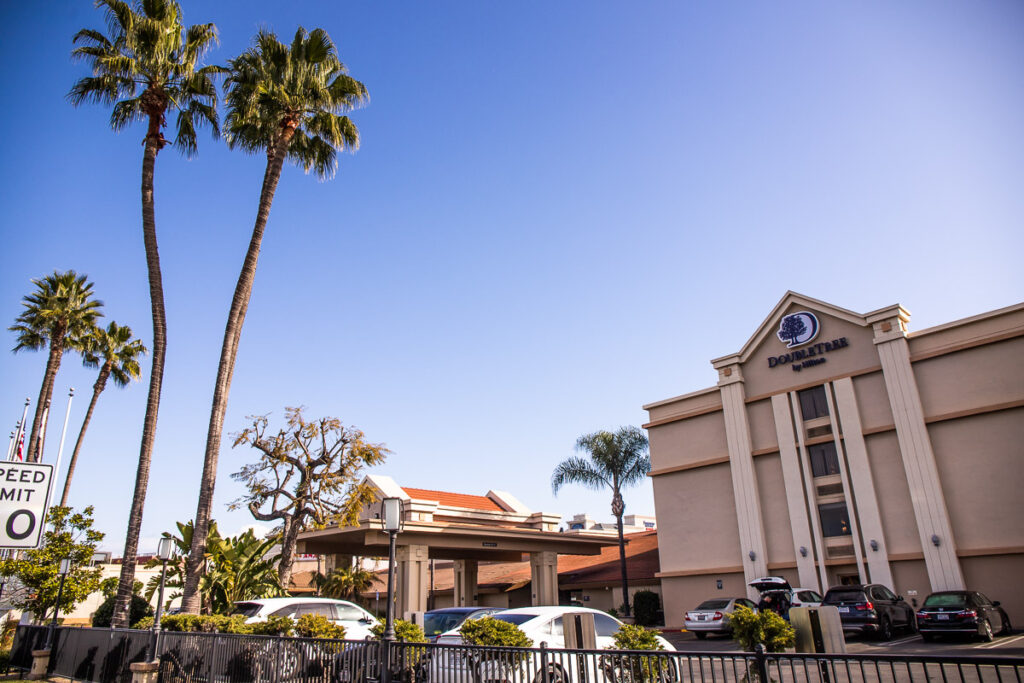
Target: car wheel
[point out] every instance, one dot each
(885, 629)
(555, 674)
(700, 635)
(985, 630)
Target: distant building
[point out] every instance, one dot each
(839, 447)
(631, 524)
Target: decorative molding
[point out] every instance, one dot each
(684, 416)
(856, 373)
(737, 569)
(689, 466)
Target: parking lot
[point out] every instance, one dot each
(1012, 645)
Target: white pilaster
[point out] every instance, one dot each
(465, 583)
(413, 583)
(544, 578)
(796, 496)
(926, 495)
(862, 483)
(744, 483)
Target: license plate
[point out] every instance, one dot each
(844, 610)
(942, 617)
(701, 617)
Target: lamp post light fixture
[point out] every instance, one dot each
(63, 570)
(164, 553)
(391, 522)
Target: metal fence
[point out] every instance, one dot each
(104, 655)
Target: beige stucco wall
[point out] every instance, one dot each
(683, 593)
(688, 441)
(704, 531)
(762, 425)
(774, 509)
(910, 577)
(893, 493)
(872, 404)
(1000, 575)
(983, 494)
(969, 379)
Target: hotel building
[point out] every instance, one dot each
(840, 447)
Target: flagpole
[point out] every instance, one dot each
(21, 429)
(10, 447)
(42, 432)
(60, 449)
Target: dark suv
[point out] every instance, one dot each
(871, 609)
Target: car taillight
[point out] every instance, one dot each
(923, 616)
(967, 613)
(718, 615)
(865, 606)
(689, 615)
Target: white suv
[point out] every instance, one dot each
(355, 619)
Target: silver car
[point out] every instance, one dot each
(712, 616)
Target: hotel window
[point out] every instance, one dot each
(813, 403)
(835, 521)
(824, 461)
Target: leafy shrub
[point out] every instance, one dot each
(405, 632)
(765, 627)
(273, 626)
(138, 609)
(646, 605)
(207, 623)
(494, 633)
(318, 626)
(634, 668)
(144, 623)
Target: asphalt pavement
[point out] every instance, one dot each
(1003, 646)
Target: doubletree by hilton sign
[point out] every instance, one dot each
(799, 330)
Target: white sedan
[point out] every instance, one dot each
(355, 619)
(543, 625)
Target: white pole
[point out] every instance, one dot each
(10, 448)
(42, 432)
(60, 448)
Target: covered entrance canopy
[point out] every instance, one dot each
(463, 528)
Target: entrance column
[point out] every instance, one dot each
(544, 578)
(465, 583)
(926, 495)
(413, 582)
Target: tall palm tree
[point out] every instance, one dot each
(145, 67)
(60, 314)
(617, 460)
(116, 354)
(287, 102)
(346, 582)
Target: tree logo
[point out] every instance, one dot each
(798, 328)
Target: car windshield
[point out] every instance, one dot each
(713, 604)
(249, 609)
(845, 596)
(946, 600)
(439, 622)
(517, 619)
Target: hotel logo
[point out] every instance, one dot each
(797, 329)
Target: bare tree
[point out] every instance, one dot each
(307, 475)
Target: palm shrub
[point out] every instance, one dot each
(767, 628)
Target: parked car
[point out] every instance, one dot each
(437, 621)
(541, 625)
(355, 619)
(805, 597)
(871, 609)
(962, 612)
(712, 616)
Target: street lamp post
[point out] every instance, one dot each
(391, 520)
(164, 552)
(64, 569)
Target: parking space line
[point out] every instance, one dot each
(998, 643)
(905, 639)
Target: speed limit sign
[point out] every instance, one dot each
(24, 492)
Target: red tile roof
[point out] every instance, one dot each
(455, 500)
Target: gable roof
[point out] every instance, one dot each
(455, 500)
(767, 327)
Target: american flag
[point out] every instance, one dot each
(19, 452)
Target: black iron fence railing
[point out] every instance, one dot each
(104, 656)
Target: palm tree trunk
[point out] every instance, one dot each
(97, 389)
(618, 507)
(288, 541)
(156, 295)
(45, 393)
(225, 370)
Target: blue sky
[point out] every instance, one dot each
(559, 212)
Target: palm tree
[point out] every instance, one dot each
(117, 355)
(60, 313)
(287, 102)
(617, 460)
(146, 67)
(346, 583)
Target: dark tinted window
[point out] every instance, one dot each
(606, 626)
(824, 460)
(812, 402)
(884, 593)
(713, 604)
(436, 624)
(288, 611)
(982, 600)
(516, 619)
(249, 609)
(957, 600)
(835, 521)
(837, 596)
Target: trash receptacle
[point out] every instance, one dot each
(818, 629)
